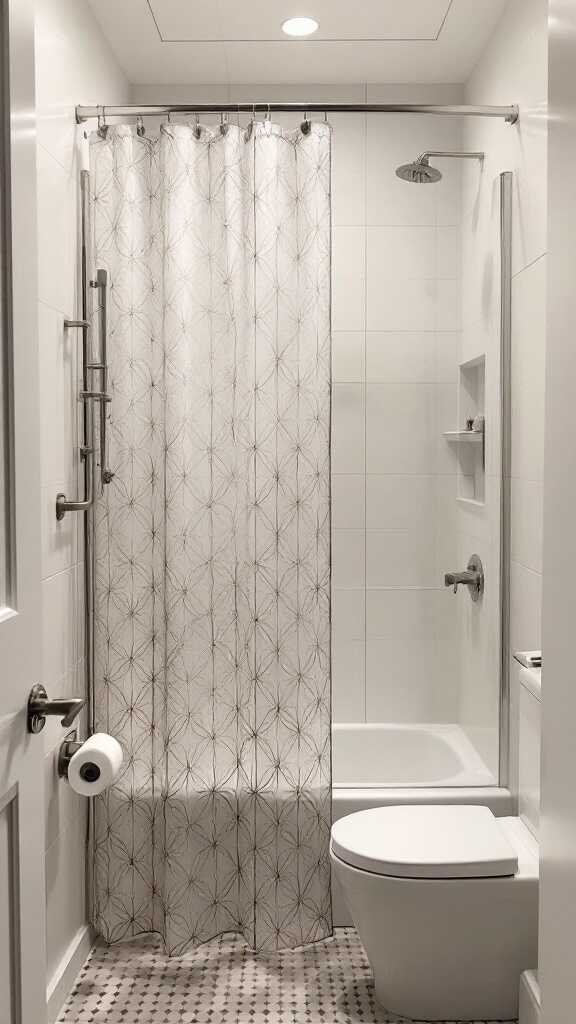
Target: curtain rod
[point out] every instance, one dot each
(509, 113)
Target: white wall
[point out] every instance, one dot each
(73, 63)
(395, 329)
(558, 822)
(513, 68)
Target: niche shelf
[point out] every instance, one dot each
(470, 443)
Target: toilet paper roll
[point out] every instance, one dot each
(95, 766)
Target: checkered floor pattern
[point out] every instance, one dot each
(223, 982)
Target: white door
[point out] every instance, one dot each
(22, 913)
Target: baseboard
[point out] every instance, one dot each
(62, 981)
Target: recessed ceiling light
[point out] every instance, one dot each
(300, 26)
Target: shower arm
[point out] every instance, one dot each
(453, 154)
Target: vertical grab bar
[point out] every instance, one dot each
(101, 283)
(63, 505)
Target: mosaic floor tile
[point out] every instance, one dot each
(224, 982)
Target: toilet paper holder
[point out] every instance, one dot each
(90, 772)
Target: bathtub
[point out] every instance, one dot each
(379, 765)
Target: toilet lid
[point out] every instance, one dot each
(425, 841)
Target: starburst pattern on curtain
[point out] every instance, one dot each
(212, 606)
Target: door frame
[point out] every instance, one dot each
(22, 851)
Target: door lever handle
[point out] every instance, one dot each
(40, 706)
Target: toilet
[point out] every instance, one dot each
(445, 901)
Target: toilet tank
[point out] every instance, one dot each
(529, 707)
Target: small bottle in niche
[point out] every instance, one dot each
(469, 423)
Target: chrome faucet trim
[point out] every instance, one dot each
(471, 577)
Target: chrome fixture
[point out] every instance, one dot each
(88, 393)
(472, 577)
(83, 113)
(529, 659)
(40, 706)
(506, 189)
(69, 746)
(420, 171)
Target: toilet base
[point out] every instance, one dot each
(446, 949)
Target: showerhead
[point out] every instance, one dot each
(419, 172)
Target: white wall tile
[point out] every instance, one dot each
(399, 684)
(400, 356)
(401, 305)
(526, 525)
(528, 370)
(348, 169)
(348, 502)
(525, 608)
(348, 680)
(400, 428)
(402, 612)
(447, 351)
(348, 557)
(348, 278)
(399, 558)
(403, 251)
(448, 252)
(348, 428)
(57, 190)
(348, 356)
(448, 305)
(348, 613)
(401, 502)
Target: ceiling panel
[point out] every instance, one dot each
(229, 42)
(180, 20)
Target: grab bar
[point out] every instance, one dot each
(64, 504)
(101, 283)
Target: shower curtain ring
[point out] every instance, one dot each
(102, 126)
(140, 129)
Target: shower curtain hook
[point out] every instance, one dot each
(197, 129)
(140, 129)
(306, 125)
(223, 122)
(102, 126)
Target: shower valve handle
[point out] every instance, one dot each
(472, 577)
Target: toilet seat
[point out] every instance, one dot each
(425, 841)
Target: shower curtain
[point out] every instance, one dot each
(212, 542)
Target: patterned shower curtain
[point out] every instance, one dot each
(212, 542)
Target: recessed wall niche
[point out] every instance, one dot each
(469, 435)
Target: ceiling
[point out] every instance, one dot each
(241, 41)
